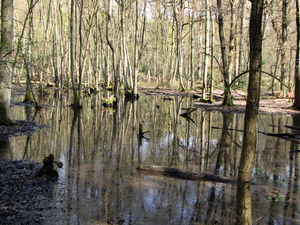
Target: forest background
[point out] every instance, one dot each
(116, 44)
(187, 44)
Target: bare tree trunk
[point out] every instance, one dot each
(137, 48)
(240, 54)
(283, 43)
(28, 54)
(243, 204)
(212, 57)
(227, 94)
(124, 48)
(297, 59)
(207, 10)
(231, 39)
(135, 63)
(178, 20)
(76, 99)
(112, 48)
(80, 64)
(7, 35)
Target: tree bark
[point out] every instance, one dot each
(178, 21)
(112, 48)
(243, 206)
(227, 94)
(240, 54)
(297, 59)
(212, 57)
(283, 43)
(7, 34)
(76, 99)
(207, 9)
(135, 63)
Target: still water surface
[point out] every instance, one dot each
(101, 149)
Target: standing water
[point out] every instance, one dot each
(101, 149)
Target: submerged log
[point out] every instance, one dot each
(184, 174)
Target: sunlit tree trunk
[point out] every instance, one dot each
(76, 99)
(240, 54)
(297, 59)
(227, 94)
(178, 19)
(283, 44)
(80, 63)
(135, 63)
(112, 48)
(212, 58)
(55, 47)
(28, 54)
(138, 45)
(243, 205)
(190, 62)
(232, 37)
(7, 34)
(207, 11)
(124, 55)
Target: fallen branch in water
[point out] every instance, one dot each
(184, 174)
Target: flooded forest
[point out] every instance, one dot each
(101, 151)
(116, 87)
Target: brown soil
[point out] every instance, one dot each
(268, 103)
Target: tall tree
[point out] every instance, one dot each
(178, 16)
(72, 64)
(227, 94)
(138, 45)
(283, 43)
(207, 10)
(241, 38)
(113, 50)
(243, 205)
(297, 59)
(7, 34)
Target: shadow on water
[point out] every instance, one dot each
(101, 148)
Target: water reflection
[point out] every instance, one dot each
(101, 149)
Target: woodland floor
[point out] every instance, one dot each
(268, 104)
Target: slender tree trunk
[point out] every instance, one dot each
(212, 57)
(135, 63)
(28, 54)
(80, 63)
(207, 10)
(227, 94)
(138, 46)
(283, 44)
(112, 48)
(7, 35)
(124, 47)
(297, 59)
(243, 205)
(76, 99)
(240, 54)
(178, 20)
(231, 39)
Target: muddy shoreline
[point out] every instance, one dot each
(24, 198)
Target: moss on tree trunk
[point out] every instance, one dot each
(4, 120)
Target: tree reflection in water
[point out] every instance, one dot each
(101, 150)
